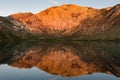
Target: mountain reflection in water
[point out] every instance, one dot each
(65, 59)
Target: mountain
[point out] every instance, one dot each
(73, 22)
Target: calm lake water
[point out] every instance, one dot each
(60, 61)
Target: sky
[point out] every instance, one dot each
(8, 7)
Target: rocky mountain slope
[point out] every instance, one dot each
(12, 29)
(6, 29)
(73, 22)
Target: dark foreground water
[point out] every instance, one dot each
(60, 61)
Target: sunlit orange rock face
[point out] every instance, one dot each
(57, 19)
(69, 20)
(70, 60)
(29, 19)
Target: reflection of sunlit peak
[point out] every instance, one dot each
(70, 59)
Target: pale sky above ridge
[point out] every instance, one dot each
(8, 7)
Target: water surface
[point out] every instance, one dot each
(60, 61)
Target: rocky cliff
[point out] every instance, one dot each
(72, 21)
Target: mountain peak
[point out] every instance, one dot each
(70, 19)
(21, 15)
(118, 5)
